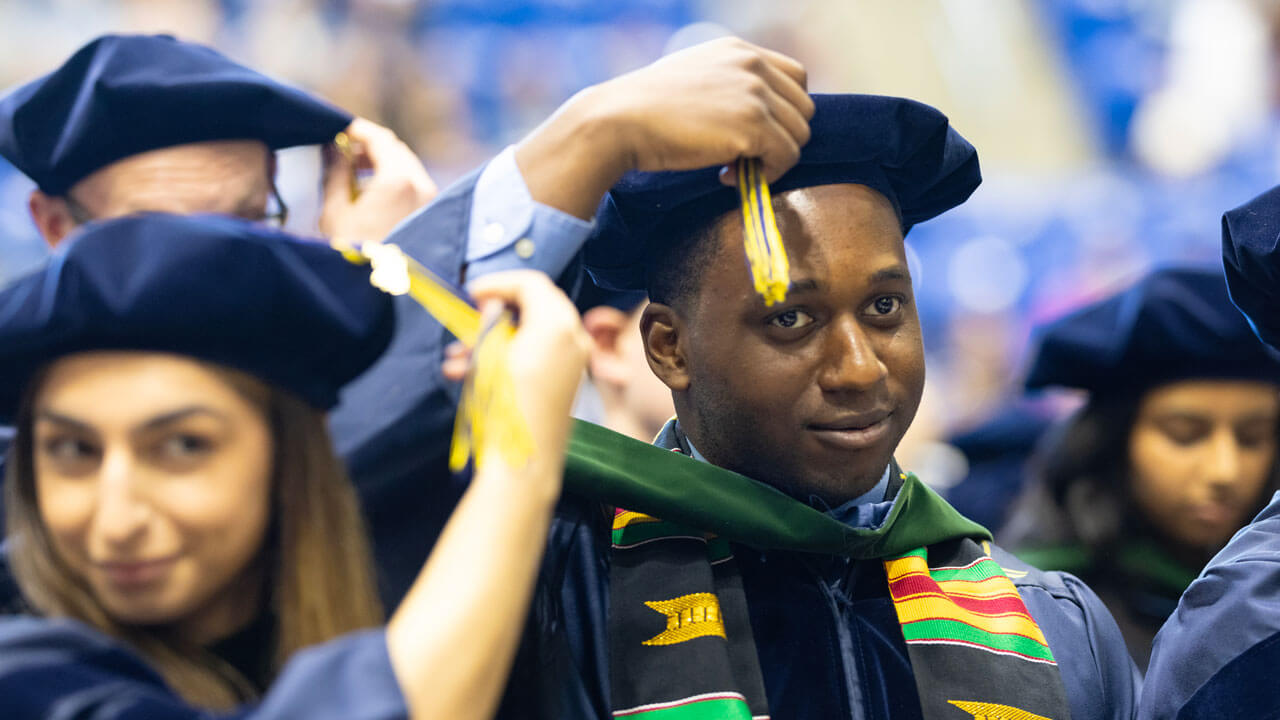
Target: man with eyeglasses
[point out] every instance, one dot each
(150, 123)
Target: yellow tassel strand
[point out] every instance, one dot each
(487, 411)
(346, 146)
(766, 254)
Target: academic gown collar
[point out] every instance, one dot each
(618, 471)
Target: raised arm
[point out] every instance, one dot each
(453, 638)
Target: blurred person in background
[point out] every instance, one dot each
(1217, 654)
(996, 452)
(621, 394)
(1173, 452)
(189, 542)
(133, 123)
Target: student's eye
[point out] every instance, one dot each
(884, 306)
(69, 449)
(184, 446)
(1257, 436)
(1184, 433)
(791, 319)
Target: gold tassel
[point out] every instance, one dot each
(766, 254)
(487, 410)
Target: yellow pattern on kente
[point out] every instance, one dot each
(627, 517)
(688, 616)
(992, 711)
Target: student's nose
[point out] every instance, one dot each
(121, 514)
(850, 361)
(1223, 468)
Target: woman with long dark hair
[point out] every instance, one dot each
(178, 521)
(1173, 451)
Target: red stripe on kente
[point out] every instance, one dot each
(912, 585)
(984, 606)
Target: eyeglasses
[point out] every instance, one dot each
(275, 215)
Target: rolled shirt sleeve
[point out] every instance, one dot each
(509, 230)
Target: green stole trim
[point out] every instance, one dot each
(623, 472)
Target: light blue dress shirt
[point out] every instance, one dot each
(875, 495)
(509, 230)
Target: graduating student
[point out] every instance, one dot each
(1173, 452)
(134, 123)
(769, 557)
(997, 450)
(188, 540)
(1216, 655)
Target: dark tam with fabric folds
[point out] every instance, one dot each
(1251, 258)
(906, 150)
(1174, 324)
(121, 95)
(289, 311)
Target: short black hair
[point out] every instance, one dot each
(674, 265)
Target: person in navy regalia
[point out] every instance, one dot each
(133, 123)
(189, 131)
(795, 410)
(997, 450)
(1216, 655)
(187, 538)
(1174, 450)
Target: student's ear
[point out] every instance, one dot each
(605, 325)
(663, 334)
(51, 216)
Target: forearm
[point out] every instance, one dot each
(571, 160)
(453, 638)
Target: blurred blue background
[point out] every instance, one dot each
(1113, 133)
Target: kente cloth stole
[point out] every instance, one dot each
(681, 645)
(680, 640)
(972, 644)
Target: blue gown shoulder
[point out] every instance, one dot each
(63, 668)
(1100, 676)
(1216, 656)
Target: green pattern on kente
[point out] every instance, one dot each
(983, 569)
(956, 630)
(619, 471)
(712, 709)
(641, 531)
